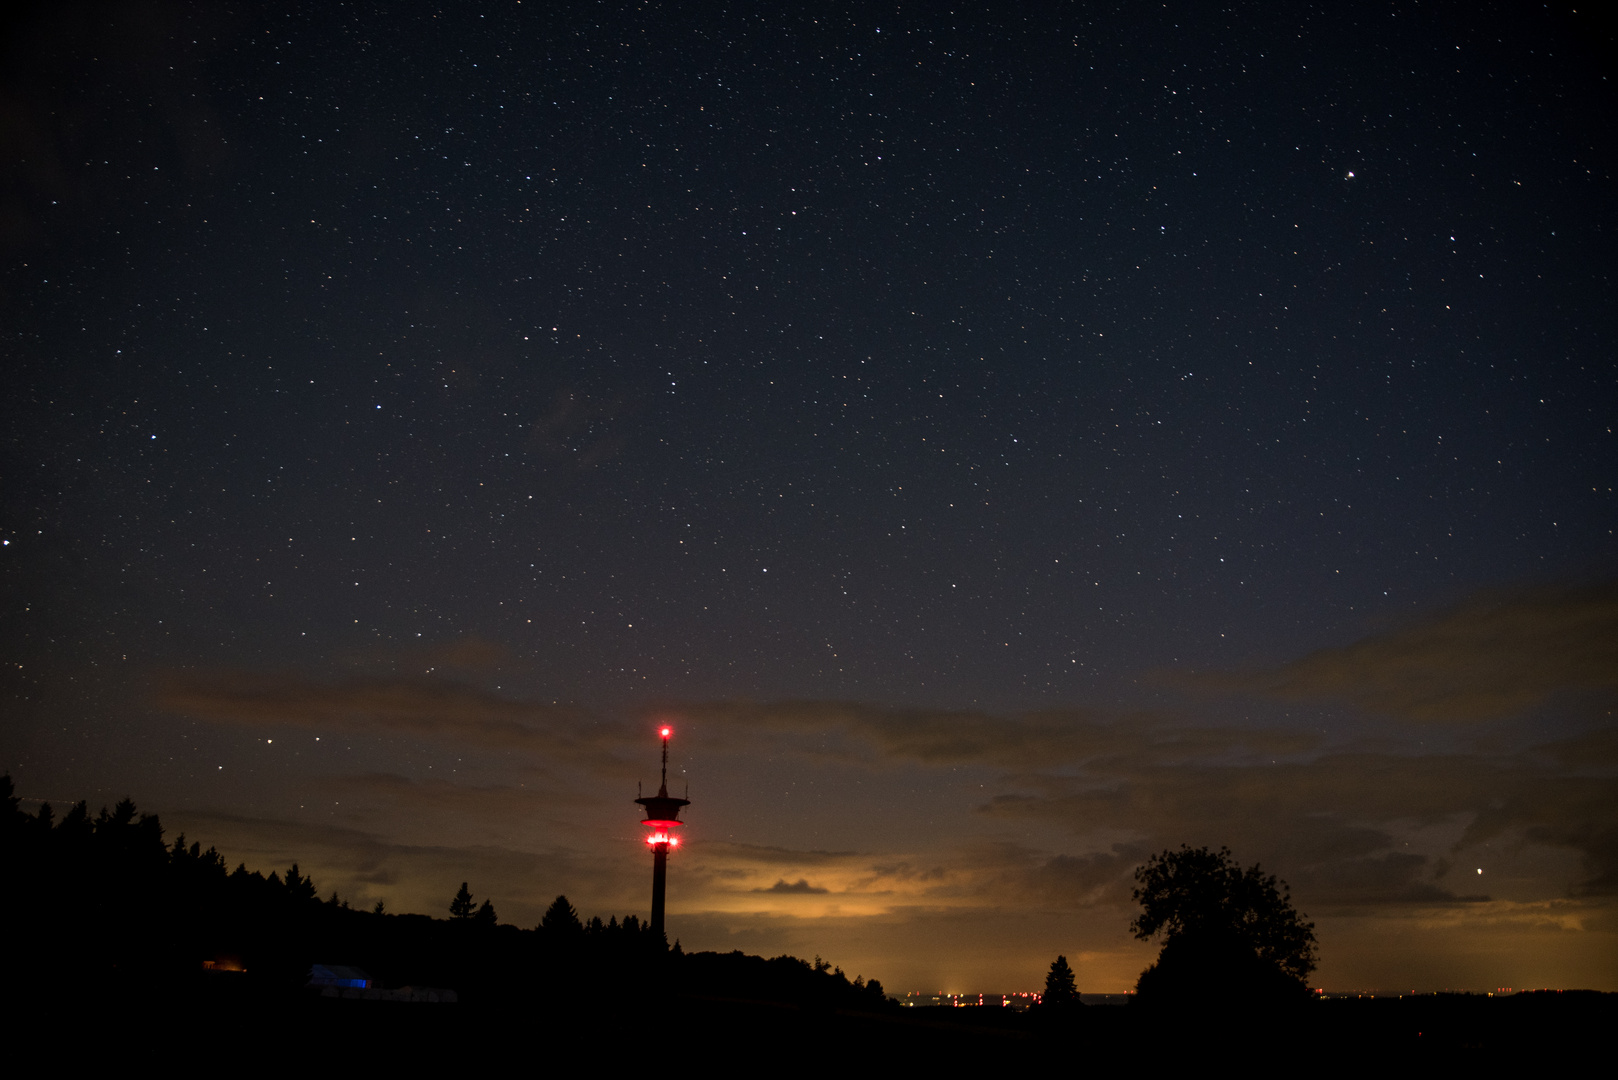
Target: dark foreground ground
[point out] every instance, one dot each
(227, 1027)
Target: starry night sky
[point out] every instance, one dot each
(1003, 442)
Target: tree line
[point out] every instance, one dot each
(104, 902)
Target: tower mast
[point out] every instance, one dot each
(662, 818)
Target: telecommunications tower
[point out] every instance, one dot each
(662, 818)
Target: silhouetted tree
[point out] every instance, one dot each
(560, 921)
(461, 906)
(76, 824)
(1226, 930)
(299, 887)
(1060, 987)
(380, 909)
(486, 916)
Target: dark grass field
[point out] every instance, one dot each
(228, 1025)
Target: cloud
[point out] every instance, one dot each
(995, 872)
(801, 887)
(1575, 812)
(780, 856)
(1497, 655)
(495, 803)
(471, 653)
(1032, 740)
(424, 708)
(1331, 821)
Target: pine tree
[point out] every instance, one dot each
(1060, 986)
(486, 915)
(560, 921)
(300, 888)
(77, 823)
(461, 906)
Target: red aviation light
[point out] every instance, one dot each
(665, 731)
(662, 832)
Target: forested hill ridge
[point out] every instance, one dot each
(102, 903)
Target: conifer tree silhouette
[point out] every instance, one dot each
(1060, 987)
(461, 906)
(299, 888)
(561, 921)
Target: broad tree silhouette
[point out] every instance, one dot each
(1226, 931)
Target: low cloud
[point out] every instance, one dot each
(780, 856)
(472, 653)
(492, 802)
(1330, 822)
(422, 708)
(1497, 655)
(847, 730)
(801, 887)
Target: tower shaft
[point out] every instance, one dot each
(660, 877)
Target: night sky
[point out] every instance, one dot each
(1003, 442)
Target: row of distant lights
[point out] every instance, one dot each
(962, 1001)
